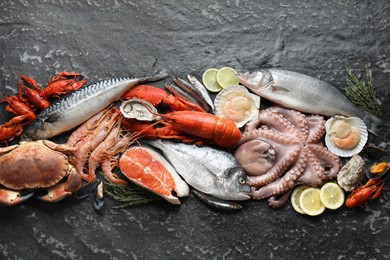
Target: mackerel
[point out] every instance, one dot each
(78, 106)
(304, 93)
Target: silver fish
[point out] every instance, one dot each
(304, 93)
(202, 89)
(78, 106)
(212, 171)
(194, 92)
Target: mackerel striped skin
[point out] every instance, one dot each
(76, 107)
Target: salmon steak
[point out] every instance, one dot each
(150, 170)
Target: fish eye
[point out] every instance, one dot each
(241, 180)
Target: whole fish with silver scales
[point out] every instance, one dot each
(306, 94)
(78, 106)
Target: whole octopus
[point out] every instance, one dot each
(281, 149)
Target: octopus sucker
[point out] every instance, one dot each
(300, 157)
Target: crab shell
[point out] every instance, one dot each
(32, 165)
(236, 103)
(345, 136)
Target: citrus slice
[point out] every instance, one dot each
(332, 196)
(209, 79)
(310, 202)
(295, 198)
(227, 76)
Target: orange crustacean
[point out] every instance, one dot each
(37, 165)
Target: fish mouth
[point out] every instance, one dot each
(245, 196)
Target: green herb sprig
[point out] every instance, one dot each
(130, 195)
(362, 93)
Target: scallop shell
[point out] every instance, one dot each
(139, 109)
(354, 122)
(236, 99)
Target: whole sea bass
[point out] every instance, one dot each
(78, 106)
(304, 93)
(212, 171)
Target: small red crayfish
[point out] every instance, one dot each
(370, 191)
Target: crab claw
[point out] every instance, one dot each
(9, 197)
(55, 193)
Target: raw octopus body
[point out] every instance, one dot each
(282, 149)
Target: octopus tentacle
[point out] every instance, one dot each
(314, 172)
(275, 120)
(328, 160)
(317, 128)
(276, 170)
(278, 202)
(282, 184)
(296, 118)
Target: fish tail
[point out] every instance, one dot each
(158, 73)
(374, 124)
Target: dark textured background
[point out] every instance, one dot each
(103, 39)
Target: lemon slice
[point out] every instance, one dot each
(310, 202)
(332, 196)
(227, 76)
(295, 198)
(209, 79)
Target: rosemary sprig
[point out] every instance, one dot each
(130, 195)
(362, 93)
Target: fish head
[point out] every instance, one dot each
(255, 80)
(35, 131)
(236, 185)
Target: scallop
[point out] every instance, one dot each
(345, 136)
(237, 104)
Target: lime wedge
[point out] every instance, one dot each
(209, 79)
(227, 76)
(310, 202)
(332, 196)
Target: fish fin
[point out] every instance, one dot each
(51, 119)
(158, 74)
(276, 88)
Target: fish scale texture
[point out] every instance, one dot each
(105, 39)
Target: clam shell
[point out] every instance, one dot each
(353, 121)
(235, 91)
(139, 109)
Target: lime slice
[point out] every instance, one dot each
(332, 196)
(209, 79)
(227, 76)
(295, 198)
(310, 202)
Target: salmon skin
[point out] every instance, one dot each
(78, 106)
(306, 94)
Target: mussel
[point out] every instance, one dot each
(95, 191)
(381, 164)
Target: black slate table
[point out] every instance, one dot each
(104, 39)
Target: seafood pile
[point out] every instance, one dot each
(175, 139)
